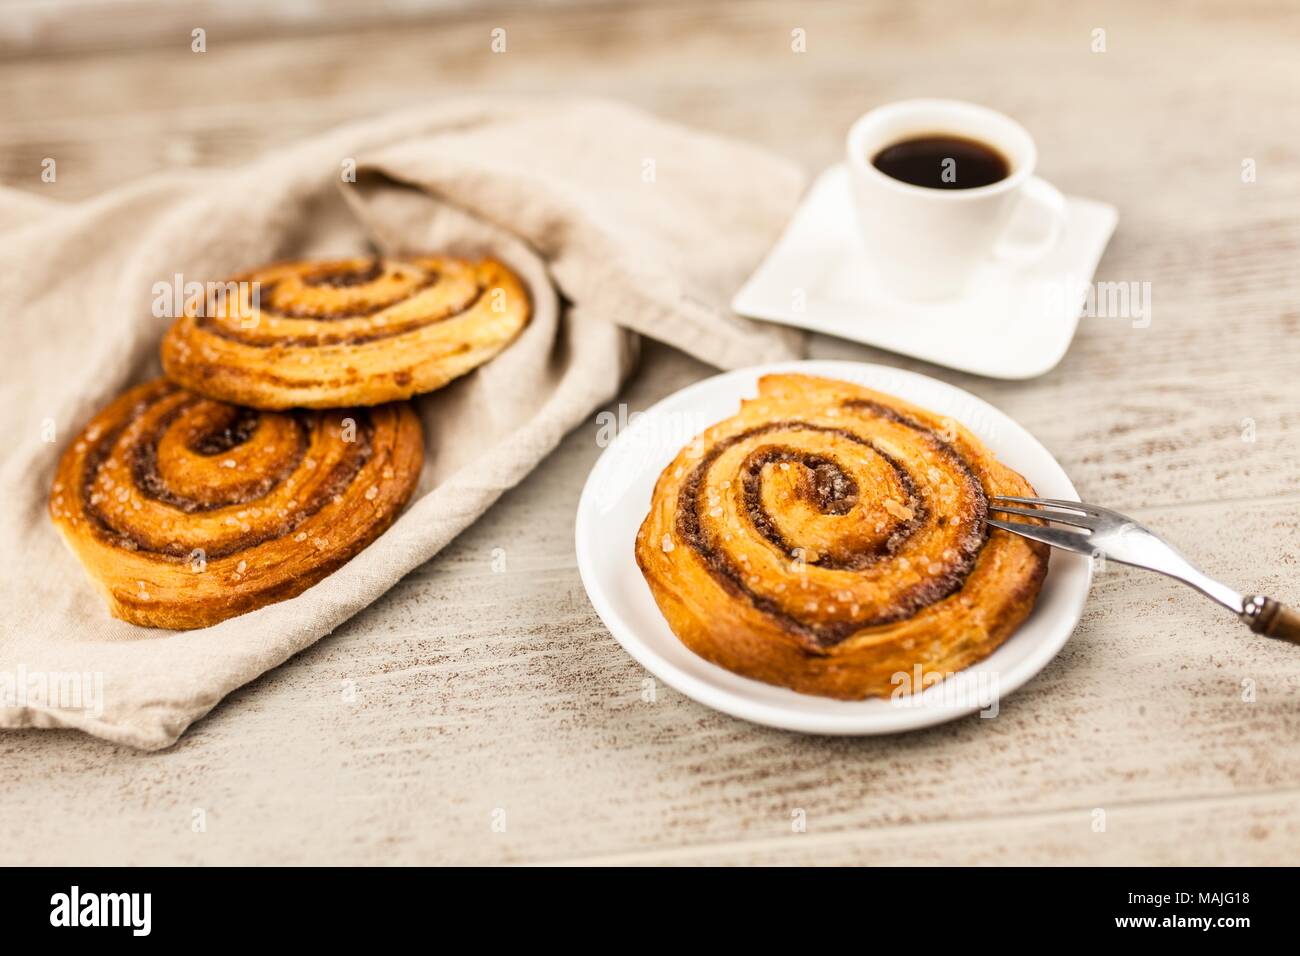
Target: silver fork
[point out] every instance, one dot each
(1100, 532)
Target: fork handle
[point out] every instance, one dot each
(1268, 617)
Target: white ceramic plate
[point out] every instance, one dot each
(1012, 322)
(617, 498)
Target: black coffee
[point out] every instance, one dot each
(942, 162)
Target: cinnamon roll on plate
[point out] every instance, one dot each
(825, 536)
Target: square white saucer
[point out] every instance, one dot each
(1012, 322)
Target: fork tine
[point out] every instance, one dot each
(1056, 537)
(1096, 511)
(1078, 520)
(1054, 502)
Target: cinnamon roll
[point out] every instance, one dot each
(830, 537)
(345, 332)
(186, 511)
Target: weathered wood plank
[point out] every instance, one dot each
(1247, 831)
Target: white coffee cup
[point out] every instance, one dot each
(925, 243)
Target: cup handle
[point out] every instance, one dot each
(1052, 208)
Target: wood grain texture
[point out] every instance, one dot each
(470, 689)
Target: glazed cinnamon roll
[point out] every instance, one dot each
(346, 332)
(186, 511)
(830, 537)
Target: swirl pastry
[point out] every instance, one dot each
(830, 537)
(347, 332)
(186, 511)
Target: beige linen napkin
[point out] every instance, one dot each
(642, 226)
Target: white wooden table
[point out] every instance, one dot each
(478, 691)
